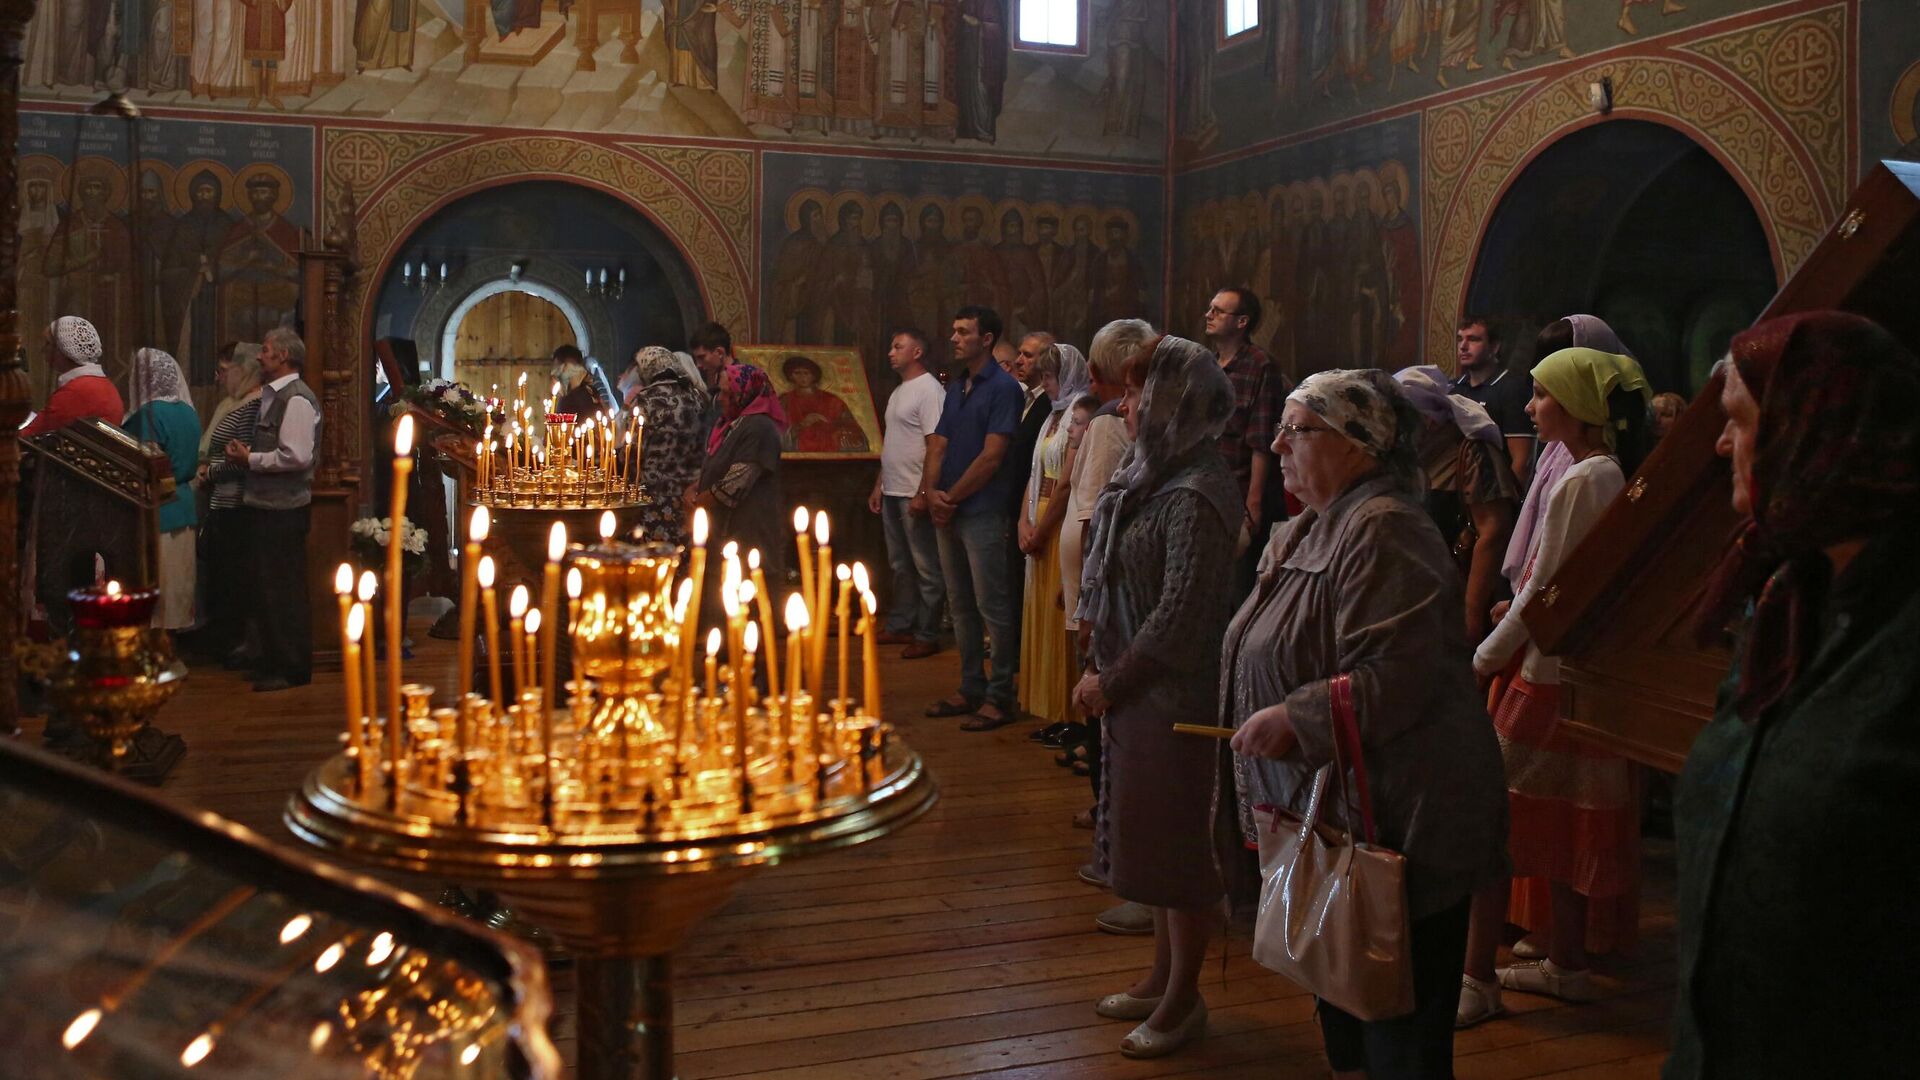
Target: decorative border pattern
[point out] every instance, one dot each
(723, 179)
(1785, 143)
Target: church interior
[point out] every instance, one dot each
(580, 763)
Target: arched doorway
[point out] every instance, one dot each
(1636, 223)
(507, 328)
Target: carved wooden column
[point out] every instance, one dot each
(334, 364)
(14, 400)
(588, 39)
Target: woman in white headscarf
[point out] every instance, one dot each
(666, 391)
(162, 414)
(1044, 658)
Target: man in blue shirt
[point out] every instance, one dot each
(966, 487)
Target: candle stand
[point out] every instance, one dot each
(117, 672)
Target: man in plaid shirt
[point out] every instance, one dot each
(1260, 391)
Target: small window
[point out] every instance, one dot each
(1242, 17)
(1051, 26)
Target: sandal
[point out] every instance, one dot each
(1076, 754)
(982, 722)
(946, 707)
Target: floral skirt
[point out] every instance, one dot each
(1575, 817)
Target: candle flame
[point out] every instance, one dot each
(113, 588)
(799, 519)
(841, 572)
(368, 585)
(480, 525)
(329, 957)
(753, 559)
(860, 579)
(517, 603)
(574, 583)
(343, 580)
(731, 551)
(522, 381)
(486, 574)
(295, 929)
(873, 606)
(820, 528)
(533, 621)
(713, 643)
(747, 592)
(751, 640)
(729, 600)
(403, 436)
(197, 1050)
(471, 1054)
(608, 523)
(81, 1027)
(796, 613)
(556, 541)
(700, 527)
(356, 623)
(382, 948)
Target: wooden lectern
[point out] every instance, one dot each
(90, 489)
(1622, 622)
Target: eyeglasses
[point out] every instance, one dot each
(1298, 431)
(1215, 310)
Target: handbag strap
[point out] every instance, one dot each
(1346, 734)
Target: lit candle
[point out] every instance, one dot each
(764, 603)
(696, 575)
(823, 581)
(804, 543)
(396, 598)
(796, 633)
(608, 523)
(574, 585)
(369, 685)
(713, 663)
(350, 668)
(742, 733)
(870, 654)
(480, 463)
(550, 602)
(532, 624)
(845, 575)
(477, 529)
(516, 614)
(491, 605)
(343, 590)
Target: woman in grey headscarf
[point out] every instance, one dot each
(1360, 585)
(1044, 660)
(1156, 603)
(162, 414)
(671, 397)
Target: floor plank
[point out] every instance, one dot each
(963, 946)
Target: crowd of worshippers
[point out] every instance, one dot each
(233, 536)
(1164, 531)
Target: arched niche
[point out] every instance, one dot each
(1639, 224)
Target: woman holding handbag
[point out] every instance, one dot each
(1356, 618)
(1156, 602)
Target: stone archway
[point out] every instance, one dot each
(1779, 129)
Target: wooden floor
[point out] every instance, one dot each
(962, 946)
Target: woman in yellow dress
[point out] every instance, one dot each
(1046, 668)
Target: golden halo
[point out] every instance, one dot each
(988, 222)
(95, 167)
(1254, 206)
(841, 201)
(165, 172)
(1906, 93)
(919, 207)
(1393, 169)
(1079, 212)
(1053, 210)
(799, 198)
(1229, 214)
(1342, 181)
(183, 182)
(45, 167)
(1133, 223)
(1007, 206)
(880, 204)
(1318, 186)
(263, 168)
(1366, 188)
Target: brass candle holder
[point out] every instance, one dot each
(621, 817)
(118, 670)
(571, 463)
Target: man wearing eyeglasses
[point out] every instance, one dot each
(1260, 391)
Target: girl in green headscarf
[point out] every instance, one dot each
(1574, 819)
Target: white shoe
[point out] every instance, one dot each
(1546, 977)
(1479, 1002)
(1529, 948)
(1124, 1006)
(1144, 1042)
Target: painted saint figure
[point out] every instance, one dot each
(259, 268)
(982, 67)
(819, 421)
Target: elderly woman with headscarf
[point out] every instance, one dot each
(1062, 372)
(163, 415)
(1156, 601)
(1575, 808)
(667, 392)
(1794, 814)
(1361, 585)
(740, 482)
(1471, 490)
(81, 389)
(222, 533)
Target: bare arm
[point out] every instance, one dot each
(1492, 524)
(1520, 451)
(929, 472)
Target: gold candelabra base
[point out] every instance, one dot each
(621, 896)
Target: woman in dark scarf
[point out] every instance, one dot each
(740, 483)
(1795, 813)
(1157, 604)
(671, 398)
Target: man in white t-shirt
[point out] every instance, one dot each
(913, 550)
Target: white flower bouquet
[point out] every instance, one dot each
(371, 536)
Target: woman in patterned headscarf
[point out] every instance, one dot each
(162, 414)
(1575, 808)
(1156, 601)
(740, 482)
(81, 389)
(1794, 815)
(1044, 660)
(671, 397)
(1361, 585)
